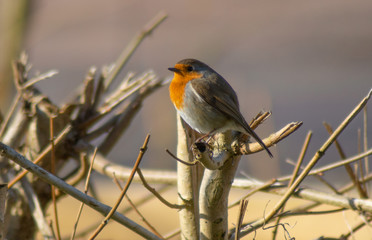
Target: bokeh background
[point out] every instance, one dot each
(307, 61)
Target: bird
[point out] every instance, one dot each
(206, 101)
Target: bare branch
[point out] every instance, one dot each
(216, 160)
(273, 139)
(53, 171)
(36, 210)
(365, 137)
(3, 197)
(240, 218)
(187, 185)
(39, 78)
(156, 194)
(300, 158)
(124, 191)
(91, 202)
(332, 165)
(349, 170)
(86, 192)
(41, 156)
(136, 209)
(255, 190)
(132, 46)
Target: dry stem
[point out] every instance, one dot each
(312, 163)
(124, 191)
(11, 154)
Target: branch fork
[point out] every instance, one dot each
(215, 155)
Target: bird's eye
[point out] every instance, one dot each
(190, 68)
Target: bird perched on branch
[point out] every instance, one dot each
(206, 101)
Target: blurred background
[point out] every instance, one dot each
(307, 61)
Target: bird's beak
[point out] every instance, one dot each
(176, 70)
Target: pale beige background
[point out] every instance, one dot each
(305, 61)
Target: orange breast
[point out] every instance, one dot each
(177, 87)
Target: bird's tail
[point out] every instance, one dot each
(258, 139)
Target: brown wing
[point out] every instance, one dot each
(223, 98)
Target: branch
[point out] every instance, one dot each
(106, 167)
(218, 158)
(3, 197)
(273, 139)
(124, 190)
(187, 184)
(87, 181)
(43, 154)
(156, 194)
(91, 202)
(332, 166)
(132, 46)
(36, 210)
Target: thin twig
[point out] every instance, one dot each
(181, 161)
(353, 230)
(92, 226)
(294, 175)
(53, 171)
(348, 168)
(99, 91)
(39, 78)
(4, 124)
(307, 213)
(260, 188)
(123, 95)
(156, 194)
(286, 232)
(271, 140)
(75, 177)
(173, 234)
(112, 211)
(41, 156)
(365, 137)
(86, 192)
(318, 155)
(259, 119)
(365, 147)
(18, 79)
(132, 46)
(127, 114)
(300, 158)
(320, 177)
(240, 218)
(332, 165)
(153, 229)
(3, 200)
(36, 210)
(44, 175)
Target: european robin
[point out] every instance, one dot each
(206, 101)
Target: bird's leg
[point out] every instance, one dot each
(209, 135)
(201, 139)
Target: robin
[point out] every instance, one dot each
(206, 101)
